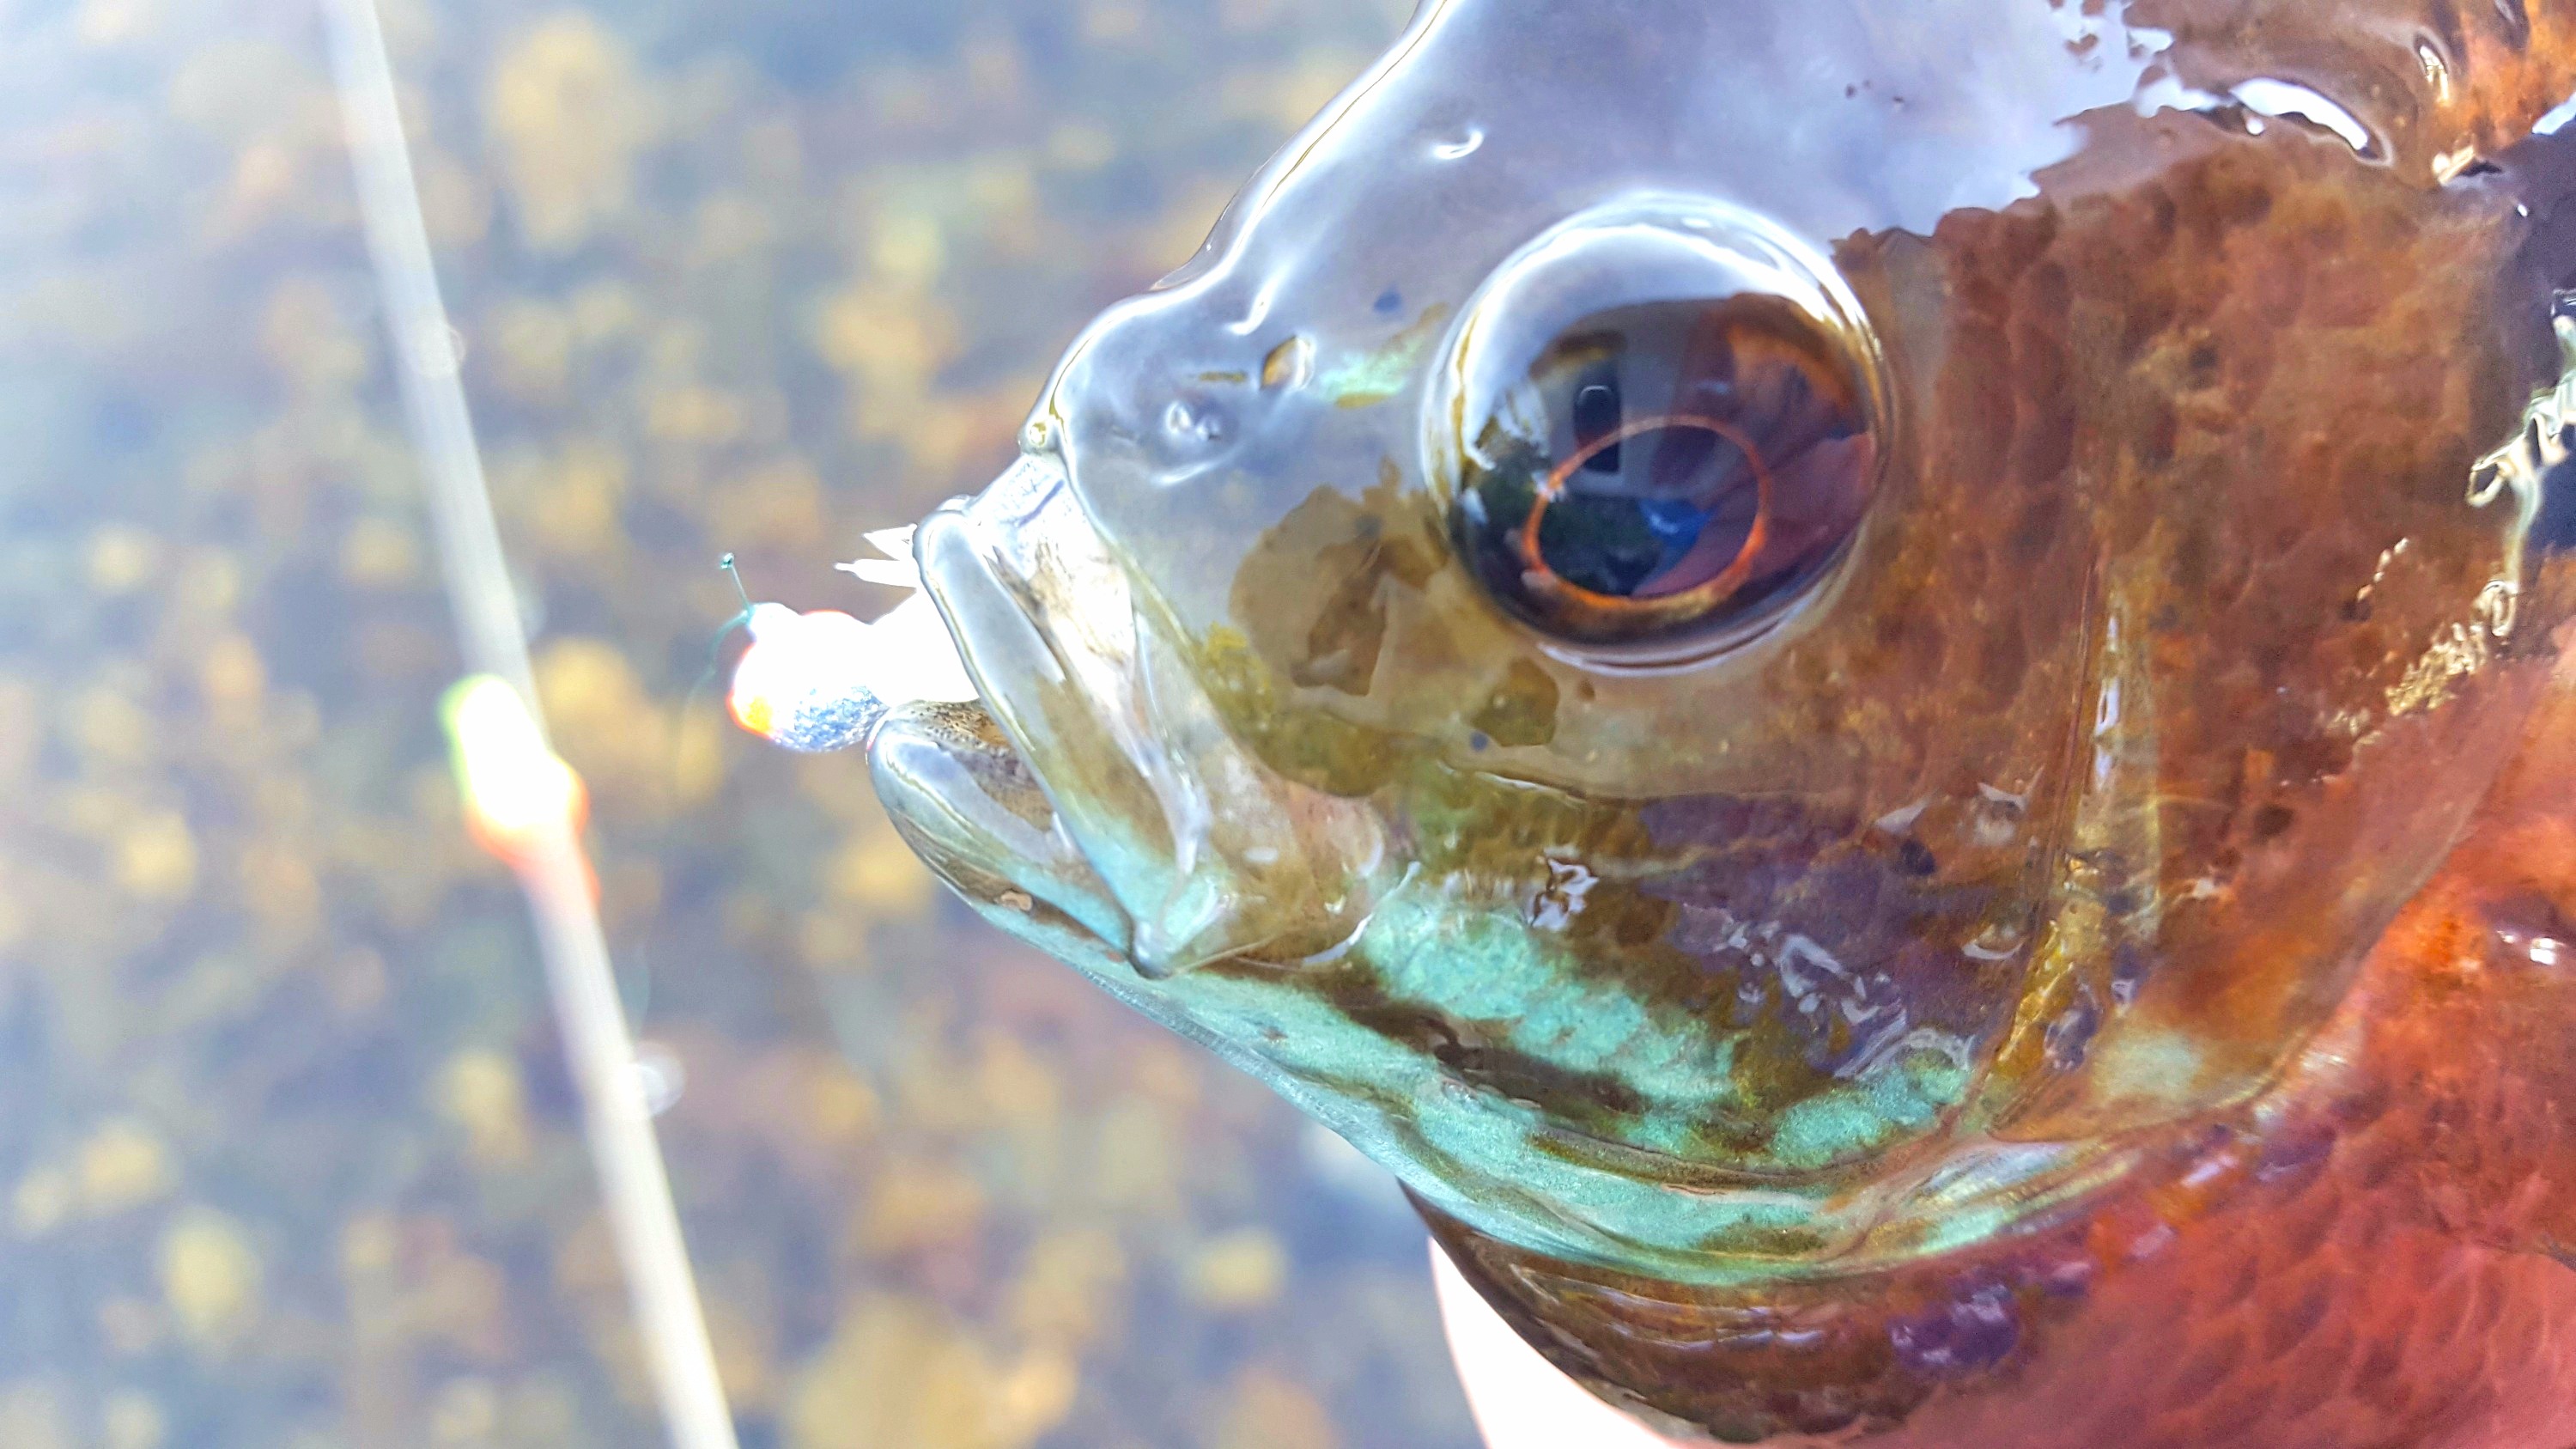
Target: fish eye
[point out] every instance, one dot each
(1656, 429)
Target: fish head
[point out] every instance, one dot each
(1737, 634)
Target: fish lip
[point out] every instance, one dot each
(1044, 625)
(1207, 851)
(960, 798)
(1010, 501)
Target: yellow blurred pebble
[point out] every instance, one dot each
(96, 813)
(280, 888)
(605, 311)
(831, 940)
(369, 1243)
(570, 116)
(45, 1197)
(131, 1420)
(693, 415)
(265, 174)
(843, 1109)
(110, 727)
(231, 674)
(1238, 1271)
(1310, 86)
(209, 584)
(465, 1412)
(32, 1417)
(588, 685)
(1002, 183)
(1136, 1159)
(305, 336)
(532, 348)
(1016, 1083)
(745, 1349)
(781, 505)
(1185, 223)
(897, 1372)
(906, 248)
(887, 339)
(1062, 1293)
(210, 1276)
(1081, 146)
(623, 741)
(1036, 1394)
(916, 1204)
(697, 757)
(115, 22)
(878, 871)
(481, 1092)
(122, 1165)
(156, 858)
(378, 553)
(120, 560)
(574, 504)
(540, 1410)
(1271, 1412)
(464, 1302)
(1165, 1070)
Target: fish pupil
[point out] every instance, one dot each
(1627, 540)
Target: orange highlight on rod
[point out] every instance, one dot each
(521, 799)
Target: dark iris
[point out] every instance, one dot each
(1702, 460)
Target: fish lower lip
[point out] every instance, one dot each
(968, 805)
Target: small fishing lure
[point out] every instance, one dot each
(821, 680)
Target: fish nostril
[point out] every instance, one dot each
(1289, 365)
(1195, 423)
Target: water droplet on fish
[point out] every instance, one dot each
(1460, 146)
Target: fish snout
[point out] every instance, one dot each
(1202, 850)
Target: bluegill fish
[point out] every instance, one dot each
(1876, 686)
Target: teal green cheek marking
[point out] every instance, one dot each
(1375, 377)
(1478, 961)
(1319, 1059)
(1396, 1105)
(1897, 1099)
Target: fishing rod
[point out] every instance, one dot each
(523, 803)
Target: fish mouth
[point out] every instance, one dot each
(1091, 790)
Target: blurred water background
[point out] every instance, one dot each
(287, 1154)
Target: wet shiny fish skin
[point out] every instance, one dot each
(2019, 942)
(2372, 1253)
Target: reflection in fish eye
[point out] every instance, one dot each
(1685, 449)
(1662, 425)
